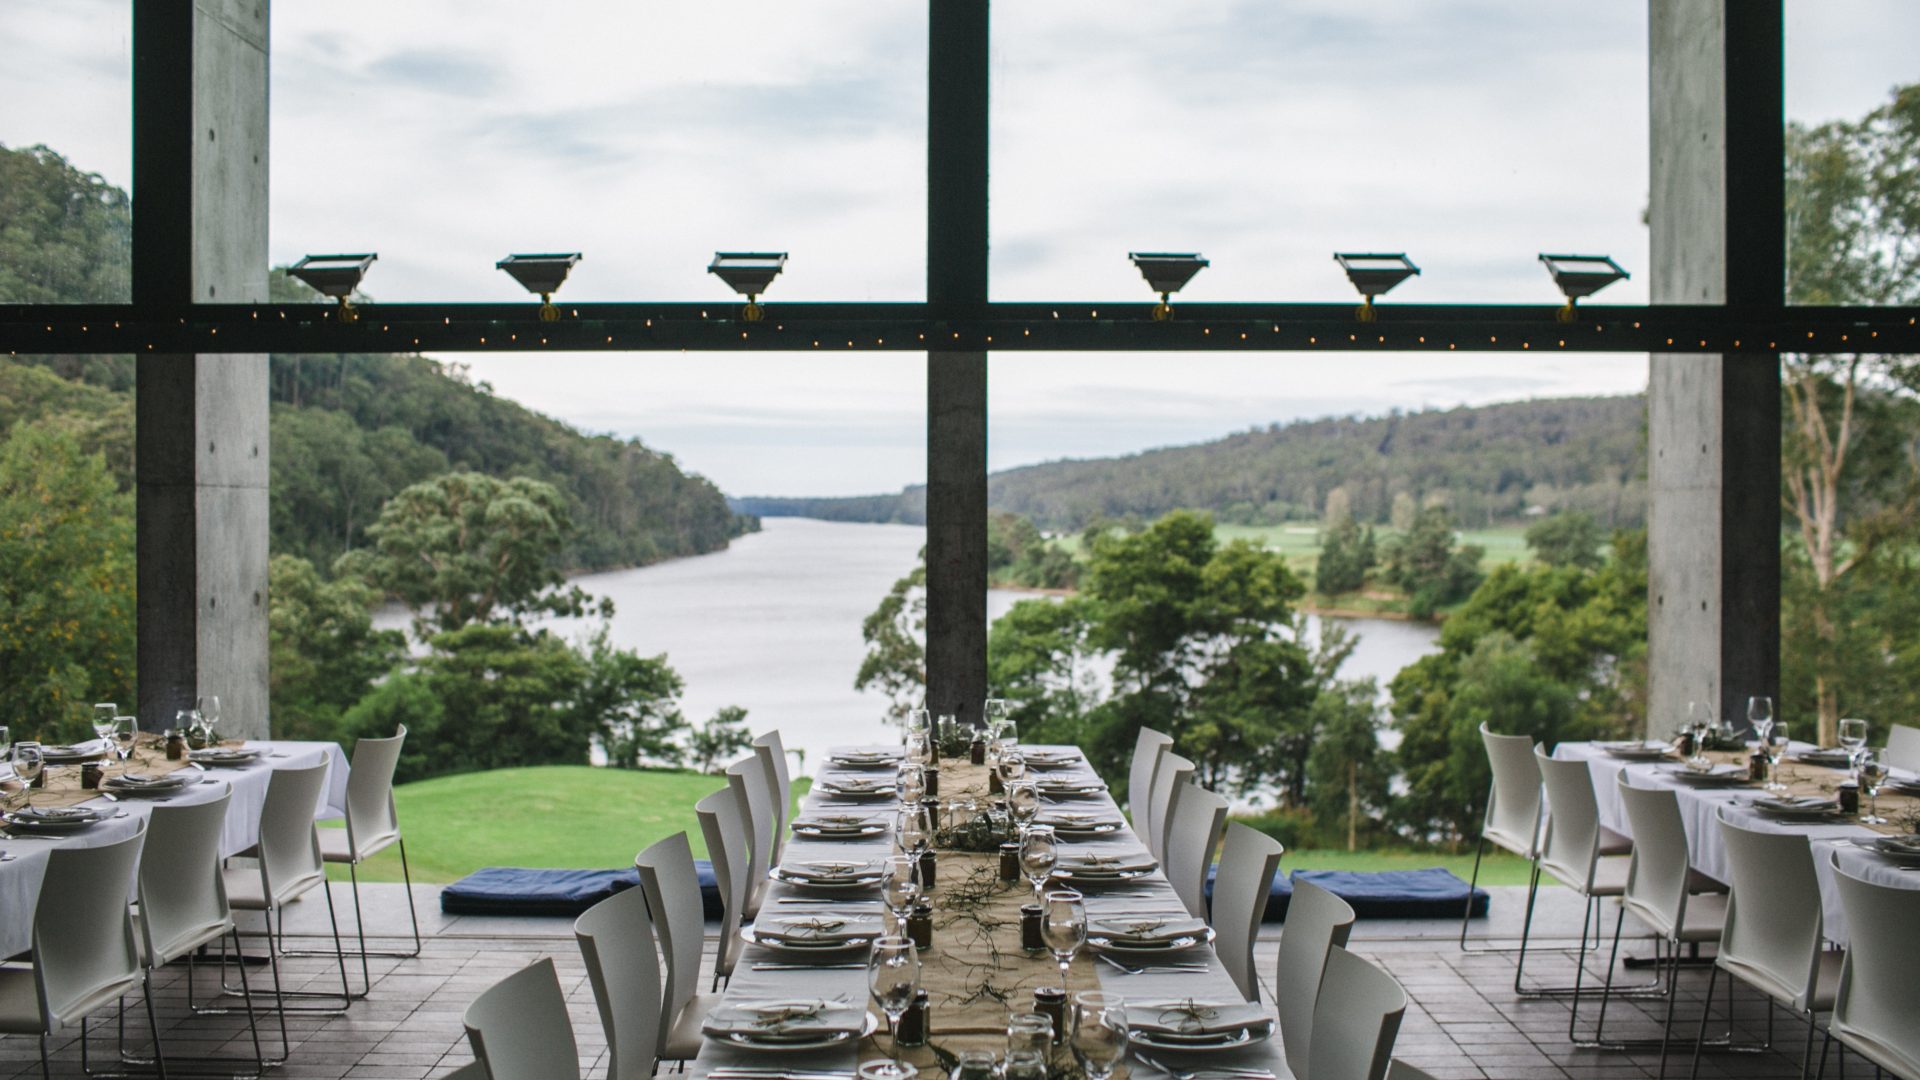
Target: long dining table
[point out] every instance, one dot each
(962, 1016)
(1701, 805)
(23, 858)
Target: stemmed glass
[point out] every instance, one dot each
(1853, 737)
(187, 723)
(209, 709)
(919, 720)
(1872, 773)
(1039, 853)
(1760, 716)
(6, 741)
(1013, 768)
(915, 829)
(893, 976)
(900, 889)
(1700, 725)
(996, 714)
(920, 748)
(1776, 747)
(1023, 802)
(104, 714)
(126, 735)
(1063, 926)
(28, 760)
(1099, 1038)
(912, 779)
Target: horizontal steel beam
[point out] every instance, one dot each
(1078, 326)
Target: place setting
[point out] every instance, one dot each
(787, 1025)
(839, 826)
(1193, 1026)
(1080, 824)
(1147, 934)
(1102, 869)
(1804, 809)
(858, 787)
(1638, 749)
(830, 873)
(866, 759)
(814, 934)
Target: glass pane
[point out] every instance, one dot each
(447, 135)
(1268, 136)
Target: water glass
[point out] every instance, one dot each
(28, 760)
(893, 977)
(1063, 926)
(126, 736)
(1099, 1039)
(1760, 716)
(104, 714)
(1039, 853)
(975, 1065)
(209, 709)
(914, 828)
(1853, 736)
(901, 887)
(920, 719)
(1023, 802)
(996, 713)
(1871, 773)
(1029, 1033)
(912, 779)
(920, 748)
(1776, 748)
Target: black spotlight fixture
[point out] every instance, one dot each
(748, 273)
(1581, 275)
(1374, 273)
(336, 276)
(541, 275)
(1166, 273)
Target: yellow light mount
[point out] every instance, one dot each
(1567, 313)
(1163, 311)
(548, 313)
(752, 311)
(1365, 312)
(1166, 273)
(346, 311)
(541, 275)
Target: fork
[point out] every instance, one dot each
(1229, 1071)
(1142, 970)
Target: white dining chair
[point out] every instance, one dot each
(183, 905)
(85, 955)
(1662, 892)
(673, 897)
(520, 1030)
(623, 966)
(1193, 835)
(723, 825)
(1400, 1070)
(1512, 818)
(1873, 1010)
(286, 866)
(1149, 746)
(771, 752)
(1356, 1020)
(744, 777)
(1775, 930)
(1570, 852)
(373, 825)
(1317, 921)
(1170, 780)
(1903, 747)
(1248, 860)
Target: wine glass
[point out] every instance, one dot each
(901, 887)
(28, 760)
(1099, 1026)
(1023, 802)
(1699, 725)
(915, 828)
(187, 723)
(1039, 853)
(920, 748)
(1760, 716)
(1872, 772)
(1063, 926)
(893, 976)
(919, 720)
(6, 741)
(126, 736)
(912, 780)
(1776, 747)
(996, 714)
(1013, 768)
(104, 714)
(1853, 737)
(209, 709)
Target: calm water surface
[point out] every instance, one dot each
(773, 624)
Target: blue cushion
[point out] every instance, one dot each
(510, 890)
(1433, 893)
(1279, 895)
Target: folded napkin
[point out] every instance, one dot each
(1799, 804)
(60, 814)
(830, 870)
(1073, 819)
(783, 1021)
(1146, 929)
(1050, 758)
(1637, 746)
(1904, 845)
(1097, 865)
(1191, 1017)
(1069, 787)
(858, 785)
(143, 780)
(1825, 757)
(836, 822)
(816, 929)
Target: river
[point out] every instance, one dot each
(773, 624)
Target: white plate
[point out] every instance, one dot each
(832, 790)
(856, 832)
(863, 879)
(1247, 1036)
(794, 949)
(747, 1042)
(235, 756)
(1127, 948)
(167, 785)
(53, 826)
(1098, 877)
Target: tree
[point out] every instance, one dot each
(1347, 556)
(1348, 771)
(66, 584)
(1426, 564)
(632, 702)
(713, 742)
(1569, 539)
(896, 635)
(323, 652)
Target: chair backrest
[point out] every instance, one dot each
(1774, 919)
(520, 1030)
(771, 752)
(1880, 979)
(181, 889)
(289, 845)
(1148, 748)
(1903, 747)
(724, 825)
(1572, 835)
(1356, 1020)
(744, 777)
(673, 898)
(82, 927)
(623, 965)
(1317, 920)
(1193, 835)
(1170, 780)
(1657, 877)
(1513, 800)
(1248, 860)
(370, 814)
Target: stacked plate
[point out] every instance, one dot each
(839, 826)
(145, 784)
(1147, 933)
(1637, 750)
(1067, 789)
(225, 755)
(1904, 850)
(1050, 759)
(1712, 776)
(804, 1024)
(1098, 869)
(856, 788)
(1831, 758)
(1080, 823)
(866, 759)
(1193, 1026)
(54, 821)
(75, 754)
(830, 874)
(814, 933)
(1810, 808)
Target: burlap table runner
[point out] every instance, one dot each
(1806, 780)
(60, 784)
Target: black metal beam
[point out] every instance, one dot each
(1076, 326)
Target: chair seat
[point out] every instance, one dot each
(1874, 1050)
(244, 889)
(684, 1038)
(1613, 843)
(183, 942)
(1609, 875)
(1706, 918)
(335, 849)
(19, 1002)
(1826, 982)
(1519, 845)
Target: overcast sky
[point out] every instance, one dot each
(1264, 133)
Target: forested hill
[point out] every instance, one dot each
(348, 431)
(1489, 464)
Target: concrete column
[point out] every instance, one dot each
(200, 235)
(1718, 236)
(957, 381)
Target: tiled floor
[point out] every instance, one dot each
(1466, 1021)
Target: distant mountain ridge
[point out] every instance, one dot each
(1490, 463)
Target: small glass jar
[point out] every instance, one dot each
(933, 782)
(1030, 938)
(1010, 862)
(1029, 1033)
(920, 925)
(977, 751)
(1051, 1002)
(90, 774)
(176, 746)
(1849, 798)
(975, 1065)
(914, 1022)
(929, 866)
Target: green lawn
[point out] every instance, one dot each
(550, 815)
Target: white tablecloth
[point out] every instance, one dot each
(1698, 806)
(1153, 893)
(20, 876)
